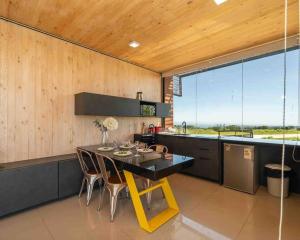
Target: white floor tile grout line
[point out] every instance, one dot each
(247, 218)
(45, 225)
(215, 233)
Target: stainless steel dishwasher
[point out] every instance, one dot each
(240, 168)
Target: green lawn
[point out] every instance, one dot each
(274, 131)
(208, 131)
(287, 138)
(269, 131)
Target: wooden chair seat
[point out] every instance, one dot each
(92, 172)
(115, 179)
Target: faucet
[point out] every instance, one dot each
(184, 127)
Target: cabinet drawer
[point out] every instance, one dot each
(205, 154)
(167, 141)
(202, 148)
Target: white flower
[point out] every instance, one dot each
(110, 123)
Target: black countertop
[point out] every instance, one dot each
(241, 140)
(36, 161)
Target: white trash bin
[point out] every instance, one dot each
(273, 172)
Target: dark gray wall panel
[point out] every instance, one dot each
(272, 154)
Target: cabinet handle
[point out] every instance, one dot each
(204, 158)
(205, 149)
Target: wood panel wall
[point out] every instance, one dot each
(39, 76)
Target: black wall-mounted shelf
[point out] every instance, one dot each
(104, 105)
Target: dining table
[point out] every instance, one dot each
(154, 166)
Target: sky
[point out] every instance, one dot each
(250, 94)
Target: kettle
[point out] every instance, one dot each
(151, 128)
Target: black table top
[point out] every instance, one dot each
(150, 165)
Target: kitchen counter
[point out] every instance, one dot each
(207, 151)
(233, 139)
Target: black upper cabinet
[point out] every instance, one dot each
(104, 105)
(163, 109)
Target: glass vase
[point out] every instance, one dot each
(104, 138)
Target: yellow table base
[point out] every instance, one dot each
(162, 217)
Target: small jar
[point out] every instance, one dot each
(139, 95)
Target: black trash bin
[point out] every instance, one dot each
(273, 172)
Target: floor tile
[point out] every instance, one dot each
(224, 211)
(23, 226)
(207, 211)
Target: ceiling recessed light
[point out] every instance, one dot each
(134, 44)
(219, 2)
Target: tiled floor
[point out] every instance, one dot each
(208, 211)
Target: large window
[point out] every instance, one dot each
(243, 99)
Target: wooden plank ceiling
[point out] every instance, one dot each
(172, 33)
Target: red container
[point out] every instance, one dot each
(157, 129)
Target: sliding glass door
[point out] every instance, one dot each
(241, 98)
(185, 106)
(219, 97)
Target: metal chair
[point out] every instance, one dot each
(114, 183)
(147, 182)
(91, 173)
(159, 148)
